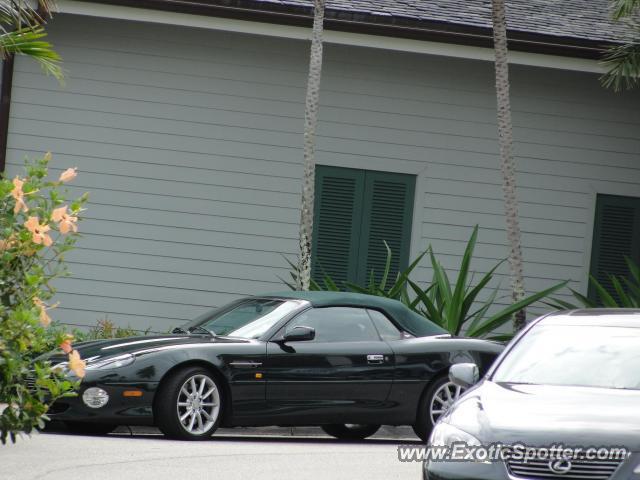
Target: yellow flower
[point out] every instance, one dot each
(18, 195)
(38, 231)
(45, 319)
(68, 175)
(76, 364)
(66, 221)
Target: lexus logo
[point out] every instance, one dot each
(560, 466)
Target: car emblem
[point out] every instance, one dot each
(560, 466)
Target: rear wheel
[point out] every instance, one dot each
(81, 428)
(436, 401)
(350, 431)
(188, 404)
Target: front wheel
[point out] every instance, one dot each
(350, 431)
(188, 405)
(436, 401)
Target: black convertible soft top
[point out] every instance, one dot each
(406, 318)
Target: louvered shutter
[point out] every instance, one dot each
(387, 216)
(616, 235)
(338, 210)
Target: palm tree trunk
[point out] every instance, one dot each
(507, 163)
(310, 123)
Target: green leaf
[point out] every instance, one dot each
(387, 267)
(504, 315)
(607, 299)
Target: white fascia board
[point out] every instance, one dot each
(330, 36)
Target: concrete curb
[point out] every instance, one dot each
(404, 434)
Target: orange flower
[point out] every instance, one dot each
(18, 195)
(66, 344)
(38, 231)
(45, 319)
(76, 364)
(66, 221)
(68, 175)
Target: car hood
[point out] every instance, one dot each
(540, 415)
(107, 348)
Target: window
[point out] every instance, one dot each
(246, 319)
(356, 211)
(337, 324)
(386, 329)
(616, 235)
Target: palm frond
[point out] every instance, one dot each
(623, 67)
(624, 8)
(29, 41)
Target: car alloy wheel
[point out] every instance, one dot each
(189, 404)
(198, 404)
(436, 401)
(442, 400)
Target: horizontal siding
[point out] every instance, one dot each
(189, 142)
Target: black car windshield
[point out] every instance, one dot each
(246, 318)
(588, 356)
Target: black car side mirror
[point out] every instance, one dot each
(464, 374)
(299, 334)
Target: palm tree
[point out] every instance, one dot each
(623, 61)
(310, 124)
(22, 31)
(507, 163)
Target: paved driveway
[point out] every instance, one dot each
(147, 456)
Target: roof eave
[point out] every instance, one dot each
(381, 25)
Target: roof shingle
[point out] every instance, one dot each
(579, 19)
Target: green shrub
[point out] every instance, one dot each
(454, 307)
(37, 228)
(626, 292)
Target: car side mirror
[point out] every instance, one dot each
(464, 374)
(299, 334)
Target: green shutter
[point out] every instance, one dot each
(338, 209)
(355, 211)
(616, 235)
(387, 216)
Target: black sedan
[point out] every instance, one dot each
(346, 362)
(571, 381)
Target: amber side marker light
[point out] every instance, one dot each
(132, 393)
(258, 375)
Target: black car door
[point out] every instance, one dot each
(343, 375)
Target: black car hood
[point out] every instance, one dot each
(107, 348)
(540, 415)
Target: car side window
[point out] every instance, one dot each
(386, 329)
(337, 324)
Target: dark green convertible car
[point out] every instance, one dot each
(342, 361)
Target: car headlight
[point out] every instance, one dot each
(444, 434)
(111, 362)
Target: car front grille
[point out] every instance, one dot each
(580, 469)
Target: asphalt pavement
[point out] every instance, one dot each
(264, 454)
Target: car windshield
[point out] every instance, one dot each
(245, 319)
(587, 356)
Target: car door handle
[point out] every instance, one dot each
(375, 358)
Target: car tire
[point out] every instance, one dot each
(350, 431)
(86, 428)
(188, 404)
(432, 401)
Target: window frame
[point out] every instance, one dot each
(279, 335)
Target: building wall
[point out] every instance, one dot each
(189, 142)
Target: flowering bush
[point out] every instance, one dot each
(37, 227)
